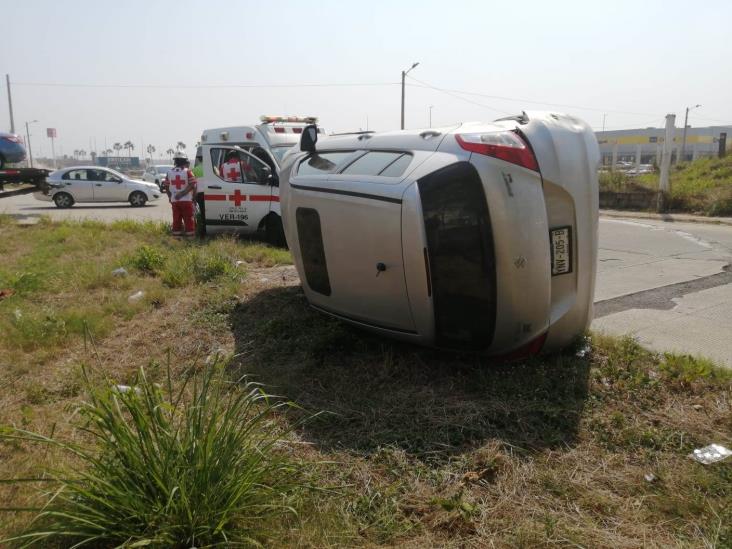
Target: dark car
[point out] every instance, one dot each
(11, 149)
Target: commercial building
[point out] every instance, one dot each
(644, 146)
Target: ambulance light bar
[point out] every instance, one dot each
(298, 119)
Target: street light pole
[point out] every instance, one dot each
(683, 139)
(27, 133)
(404, 74)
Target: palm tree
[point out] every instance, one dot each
(180, 146)
(130, 147)
(82, 153)
(170, 153)
(150, 151)
(117, 147)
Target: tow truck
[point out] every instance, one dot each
(249, 204)
(34, 176)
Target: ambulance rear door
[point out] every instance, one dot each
(239, 199)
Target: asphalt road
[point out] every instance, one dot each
(667, 284)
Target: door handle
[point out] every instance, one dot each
(214, 187)
(97, 184)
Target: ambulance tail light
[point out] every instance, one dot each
(504, 145)
(279, 130)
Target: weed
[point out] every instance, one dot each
(147, 260)
(166, 472)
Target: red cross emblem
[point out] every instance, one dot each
(233, 174)
(178, 181)
(237, 197)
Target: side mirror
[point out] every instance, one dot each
(309, 138)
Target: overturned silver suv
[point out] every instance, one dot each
(480, 236)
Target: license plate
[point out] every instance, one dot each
(561, 241)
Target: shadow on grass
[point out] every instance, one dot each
(377, 392)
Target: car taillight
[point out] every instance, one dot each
(530, 349)
(504, 145)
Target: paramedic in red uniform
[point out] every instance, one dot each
(181, 185)
(232, 167)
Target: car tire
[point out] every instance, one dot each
(63, 200)
(275, 232)
(138, 199)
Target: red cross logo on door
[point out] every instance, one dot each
(237, 198)
(178, 182)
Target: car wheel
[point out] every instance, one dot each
(138, 199)
(63, 200)
(274, 231)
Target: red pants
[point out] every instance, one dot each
(183, 215)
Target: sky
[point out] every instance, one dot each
(158, 71)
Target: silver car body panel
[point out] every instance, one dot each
(367, 221)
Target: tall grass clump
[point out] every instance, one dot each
(147, 259)
(164, 467)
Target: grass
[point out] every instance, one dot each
(703, 186)
(194, 465)
(410, 447)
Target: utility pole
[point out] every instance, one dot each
(404, 74)
(27, 133)
(431, 115)
(683, 139)
(10, 104)
(664, 185)
(604, 116)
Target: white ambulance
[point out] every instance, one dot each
(238, 176)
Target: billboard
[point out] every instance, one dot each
(51, 132)
(120, 162)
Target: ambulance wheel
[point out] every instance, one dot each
(200, 217)
(63, 200)
(274, 231)
(138, 199)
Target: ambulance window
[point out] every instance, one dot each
(319, 164)
(310, 235)
(279, 152)
(372, 163)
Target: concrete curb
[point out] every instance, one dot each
(670, 218)
(16, 192)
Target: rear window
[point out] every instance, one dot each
(377, 162)
(322, 163)
(461, 256)
(75, 175)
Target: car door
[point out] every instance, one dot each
(107, 187)
(76, 183)
(238, 200)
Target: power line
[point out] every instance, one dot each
(503, 98)
(205, 86)
(452, 94)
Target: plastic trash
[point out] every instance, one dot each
(239, 262)
(137, 296)
(126, 389)
(710, 454)
(120, 272)
(650, 477)
(585, 349)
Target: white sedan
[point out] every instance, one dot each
(156, 174)
(95, 184)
